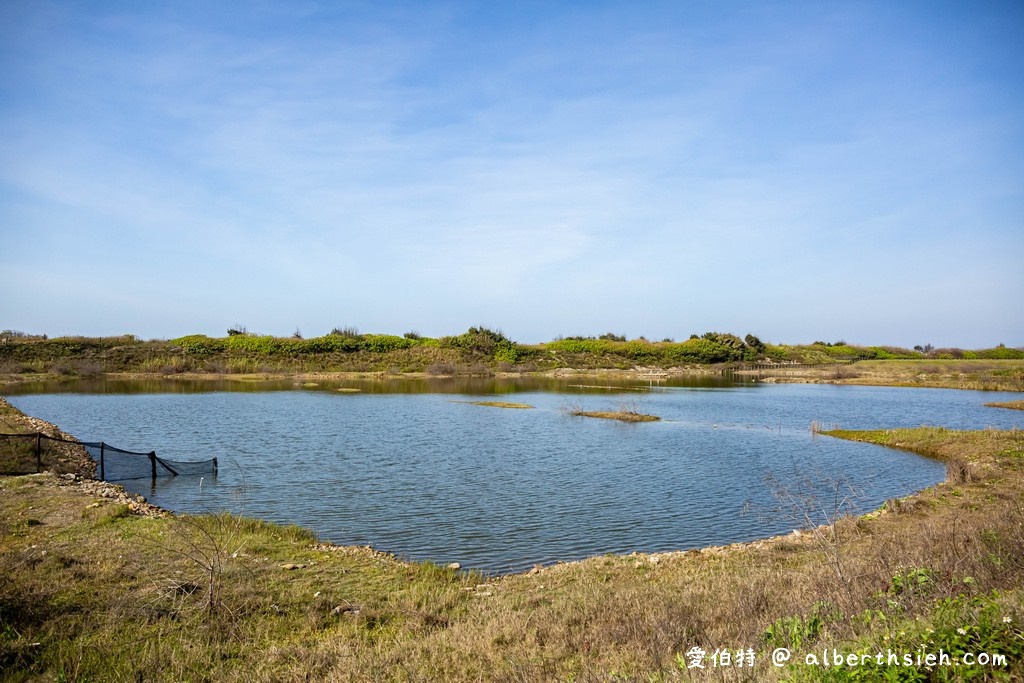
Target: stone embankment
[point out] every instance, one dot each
(115, 493)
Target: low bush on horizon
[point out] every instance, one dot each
(481, 341)
(713, 347)
(199, 344)
(479, 349)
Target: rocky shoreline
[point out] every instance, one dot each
(83, 477)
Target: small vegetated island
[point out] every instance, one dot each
(498, 404)
(622, 415)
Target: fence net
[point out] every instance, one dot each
(26, 453)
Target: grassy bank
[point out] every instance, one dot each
(984, 375)
(26, 456)
(90, 590)
(480, 351)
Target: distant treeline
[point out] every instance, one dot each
(477, 349)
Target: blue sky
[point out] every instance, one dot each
(798, 170)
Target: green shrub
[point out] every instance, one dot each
(724, 339)
(911, 581)
(383, 343)
(262, 344)
(598, 347)
(958, 626)
(507, 354)
(640, 350)
(479, 341)
(792, 632)
(847, 352)
(780, 353)
(199, 344)
(331, 343)
(703, 350)
(1000, 353)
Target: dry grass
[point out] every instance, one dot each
(90, 592)
(498, 404)
(986, 375)
(11, 420)
(19, 455)
(1013, 405)
(620, 415)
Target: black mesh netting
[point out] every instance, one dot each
(27, 453)
(24, 453)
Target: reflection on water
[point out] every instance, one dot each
(378, 384)
(408, 467)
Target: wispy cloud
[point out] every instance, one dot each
(684, 160)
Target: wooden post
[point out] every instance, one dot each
(103, 474)
(39, 451)
(152, 462)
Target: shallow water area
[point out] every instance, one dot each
(415, 468)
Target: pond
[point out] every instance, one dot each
(416, 469)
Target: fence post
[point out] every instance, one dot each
(152, 462)
(103, 475)
(39, 451)
(215, 467)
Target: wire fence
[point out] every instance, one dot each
(35, 452)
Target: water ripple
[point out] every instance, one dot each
(500, 490)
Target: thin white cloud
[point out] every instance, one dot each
(678, 156)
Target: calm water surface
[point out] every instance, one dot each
(415, 470)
